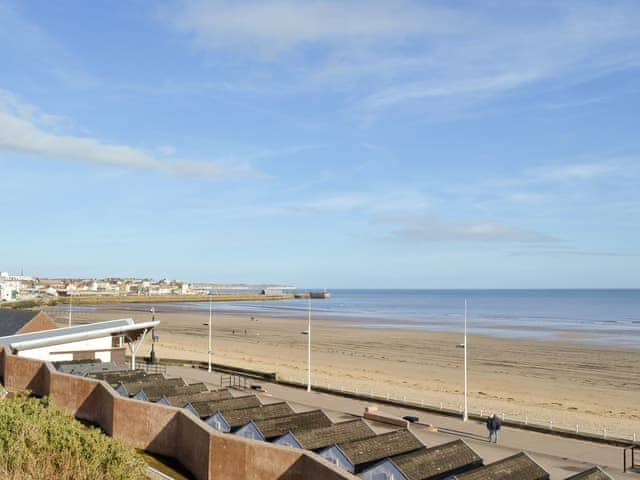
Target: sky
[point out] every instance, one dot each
(322, 143)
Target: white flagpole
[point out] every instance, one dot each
(465, 416)
(309, 347)
(210, 323)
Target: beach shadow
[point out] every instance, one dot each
(460, 433)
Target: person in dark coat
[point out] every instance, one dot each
(493, 425)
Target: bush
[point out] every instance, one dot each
(39, 441)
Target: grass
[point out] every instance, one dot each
(39, 441)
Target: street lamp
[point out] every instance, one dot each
(210, 352)
(309, 348)
(152, 357)
(465, 413)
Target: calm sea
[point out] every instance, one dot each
(594, 316)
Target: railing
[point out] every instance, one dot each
(152, 368)
(518, 419)
(238, 381)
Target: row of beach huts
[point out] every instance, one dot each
(350, 444)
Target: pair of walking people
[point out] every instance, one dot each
(493, 425)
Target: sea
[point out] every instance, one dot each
(607, 317)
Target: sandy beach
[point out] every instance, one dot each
(567, 382)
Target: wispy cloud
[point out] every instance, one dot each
(431, 229)
(570, 252)
(577, 171)
(400, 53)
(25, 129)
(277, 27)
(368, 202)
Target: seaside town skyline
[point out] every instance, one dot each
(369, 145)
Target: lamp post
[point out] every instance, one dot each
(465, 412)
(465, 415)
(210, 351)
(70, 299)
(152, 356)
(309, 347)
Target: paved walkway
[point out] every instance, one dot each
(560, 456)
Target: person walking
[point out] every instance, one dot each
(493, 425)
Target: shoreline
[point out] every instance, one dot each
(591, 335)
(564, 381)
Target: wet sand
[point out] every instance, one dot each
(564, 381)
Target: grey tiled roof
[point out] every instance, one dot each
(435, 462)
(595, 473)
(13, 320)
(370, 449)
(338, 433)
(154, 392)
(206, 409)
(516, 467)
(136, 386)
(274, 427)
(115, 378)
(79, 368)
(180, 400)
(237, 418)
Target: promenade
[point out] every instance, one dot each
(560, 456)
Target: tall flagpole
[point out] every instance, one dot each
(309, 348)
(465, 415)
(210, 323)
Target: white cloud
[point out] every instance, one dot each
(406, 200)
(423, 228)
(578, 171)
(23, 128)
(399, 53)
(280, 26)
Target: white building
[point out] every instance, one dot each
(9, 290)
(103, 341)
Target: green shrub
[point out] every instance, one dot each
(39, 441)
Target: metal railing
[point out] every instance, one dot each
(522, 419)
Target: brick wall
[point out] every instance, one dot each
(164, 430)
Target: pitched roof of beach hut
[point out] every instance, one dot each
(206, 409)
(438, 462)
(274, 427)
(238, 417)
(131, 388)
(517, 467)
(341, 432)
(371, 449)
(181, 399)
(155, 392)
(594, 473)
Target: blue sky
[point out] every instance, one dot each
(323, 143)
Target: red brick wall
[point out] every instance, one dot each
(165, 430)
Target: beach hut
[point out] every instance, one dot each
(517, 467)
(271, 428)
(207, 409)
(129, 389)
(435, 463)
(230, 420)
(154, 392)
(357, 455)
(594, 473)
(318, 438)
(116, 378)
(180, 400)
